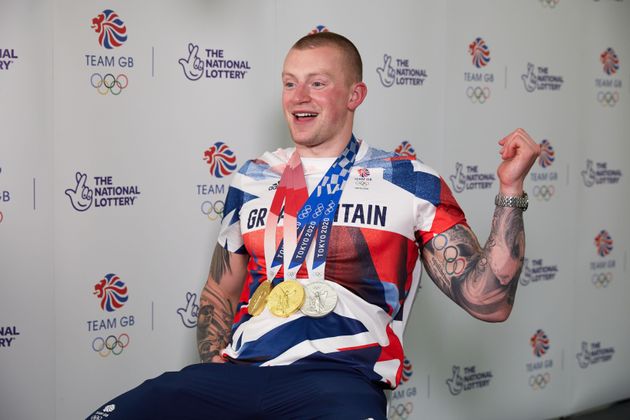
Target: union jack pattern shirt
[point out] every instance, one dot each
(391, 205)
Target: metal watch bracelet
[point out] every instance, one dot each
(512, 201)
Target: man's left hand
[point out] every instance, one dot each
(519, 152)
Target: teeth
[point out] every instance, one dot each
(304, 114)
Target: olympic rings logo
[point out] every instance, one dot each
(454, 263)
(608, 98)
(602, 279)
(330, 208)
(544, 192)
(539, 381)
(214, 210)
(111, 344)
(478, 94)
(305, 211)
(109, 83)
(1, 217)
(319, 210)
(401, 411)
(549, 3)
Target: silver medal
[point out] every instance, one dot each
(320, 299)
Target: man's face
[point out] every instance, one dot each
(316, 97)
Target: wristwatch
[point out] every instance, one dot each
(511, 201)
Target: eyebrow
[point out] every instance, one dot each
(309, 75)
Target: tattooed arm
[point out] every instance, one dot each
(480, 280)
(483, 280)
(217, 304)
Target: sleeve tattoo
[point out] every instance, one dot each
(216, 311)
(481, 280)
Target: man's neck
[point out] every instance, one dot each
(325, 150)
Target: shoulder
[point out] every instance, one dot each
(267, 165)
(392, 162)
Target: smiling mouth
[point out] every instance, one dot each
(303, 115)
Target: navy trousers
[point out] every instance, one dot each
(231, 391)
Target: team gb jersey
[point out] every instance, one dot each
(390, 206)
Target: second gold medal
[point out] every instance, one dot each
(286, 298)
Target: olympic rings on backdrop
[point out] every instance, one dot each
(544, 192)
(401, 411)
(539, 381)
(214, 210)
(109, 83)
(549, 3)
(111, 344)
(608, 98)
(1, 217)
(601, 279)
(478, 94)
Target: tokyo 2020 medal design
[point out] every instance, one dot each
(259, 299)
(320, 300)
(286, 298)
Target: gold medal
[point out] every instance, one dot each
(259, 299)
(286, 298)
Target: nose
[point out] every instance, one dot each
(301, 93)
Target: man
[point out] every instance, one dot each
(300, 315)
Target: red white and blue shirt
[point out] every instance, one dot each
(391, 205)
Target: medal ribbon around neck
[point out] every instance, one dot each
(314, 219)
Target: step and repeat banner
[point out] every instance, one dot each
(123, 122)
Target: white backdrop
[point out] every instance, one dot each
(113, 185)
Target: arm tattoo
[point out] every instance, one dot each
(214, 322)
(220, 263)
(481, 280)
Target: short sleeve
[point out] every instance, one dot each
(230, 236)
(437, 212)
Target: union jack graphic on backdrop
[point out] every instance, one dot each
(111, 30)
(539, 343)
(221, 159)
(480, 52)
(610, 61)
(547, 154)
(604, 243)
(406, 149)
(112, 292)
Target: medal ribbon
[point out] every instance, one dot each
(315, 217)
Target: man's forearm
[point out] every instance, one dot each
(481, 280)
(214, 322)
(216, 311)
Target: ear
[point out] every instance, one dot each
(357, 95)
